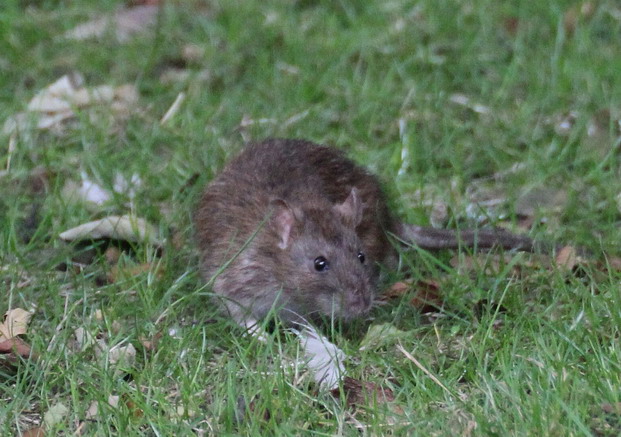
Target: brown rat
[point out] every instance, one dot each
(300, 228)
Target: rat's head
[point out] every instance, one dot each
(325, 270)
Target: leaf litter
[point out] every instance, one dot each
(55, 105)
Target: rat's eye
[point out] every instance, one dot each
(361, 257)
(321, 264)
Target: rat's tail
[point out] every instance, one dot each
(435, 239)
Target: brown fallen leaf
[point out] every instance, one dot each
(397, 290)
(615, 263)
(567, 258)
(523, 222)
(150, 344)
(133, 408)
(511, 25)
(37, 431)
(612, 262)
(612, 408)
(575, 14)
(15, 346)
(365, 394)
(426, 297)
(117, 272)
(15, 323)
(112, 255)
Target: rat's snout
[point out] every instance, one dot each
(358, 302)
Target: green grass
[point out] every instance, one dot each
(352, 72)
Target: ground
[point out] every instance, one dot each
(472, 113)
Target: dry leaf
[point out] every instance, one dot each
(125, 228)
(126, 187)
(511, 25)
(86, 191)
(427, 296)
(94, 195)
(150, 344)
(182, 412)
(567, 258)
(577, 13)
(380, 335)
(93, 410)
(612, 408)
(15, 346)
(15, 323)
(117, 272)
(83, 338)
(324, 359)
(55, 414)
(133, 408)
(192, 52)
(37, 431)
(365, 394)
(397, 290)
(112, 255)
(60, 100)
(123, 357)
(614, 263)
(113, 401)
(125, 23)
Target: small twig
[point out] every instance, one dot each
(174, 108)
(421, 367)
(11, 149)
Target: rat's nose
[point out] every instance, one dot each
(358, 302)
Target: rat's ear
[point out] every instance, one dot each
(351, 208)
(282, 220)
